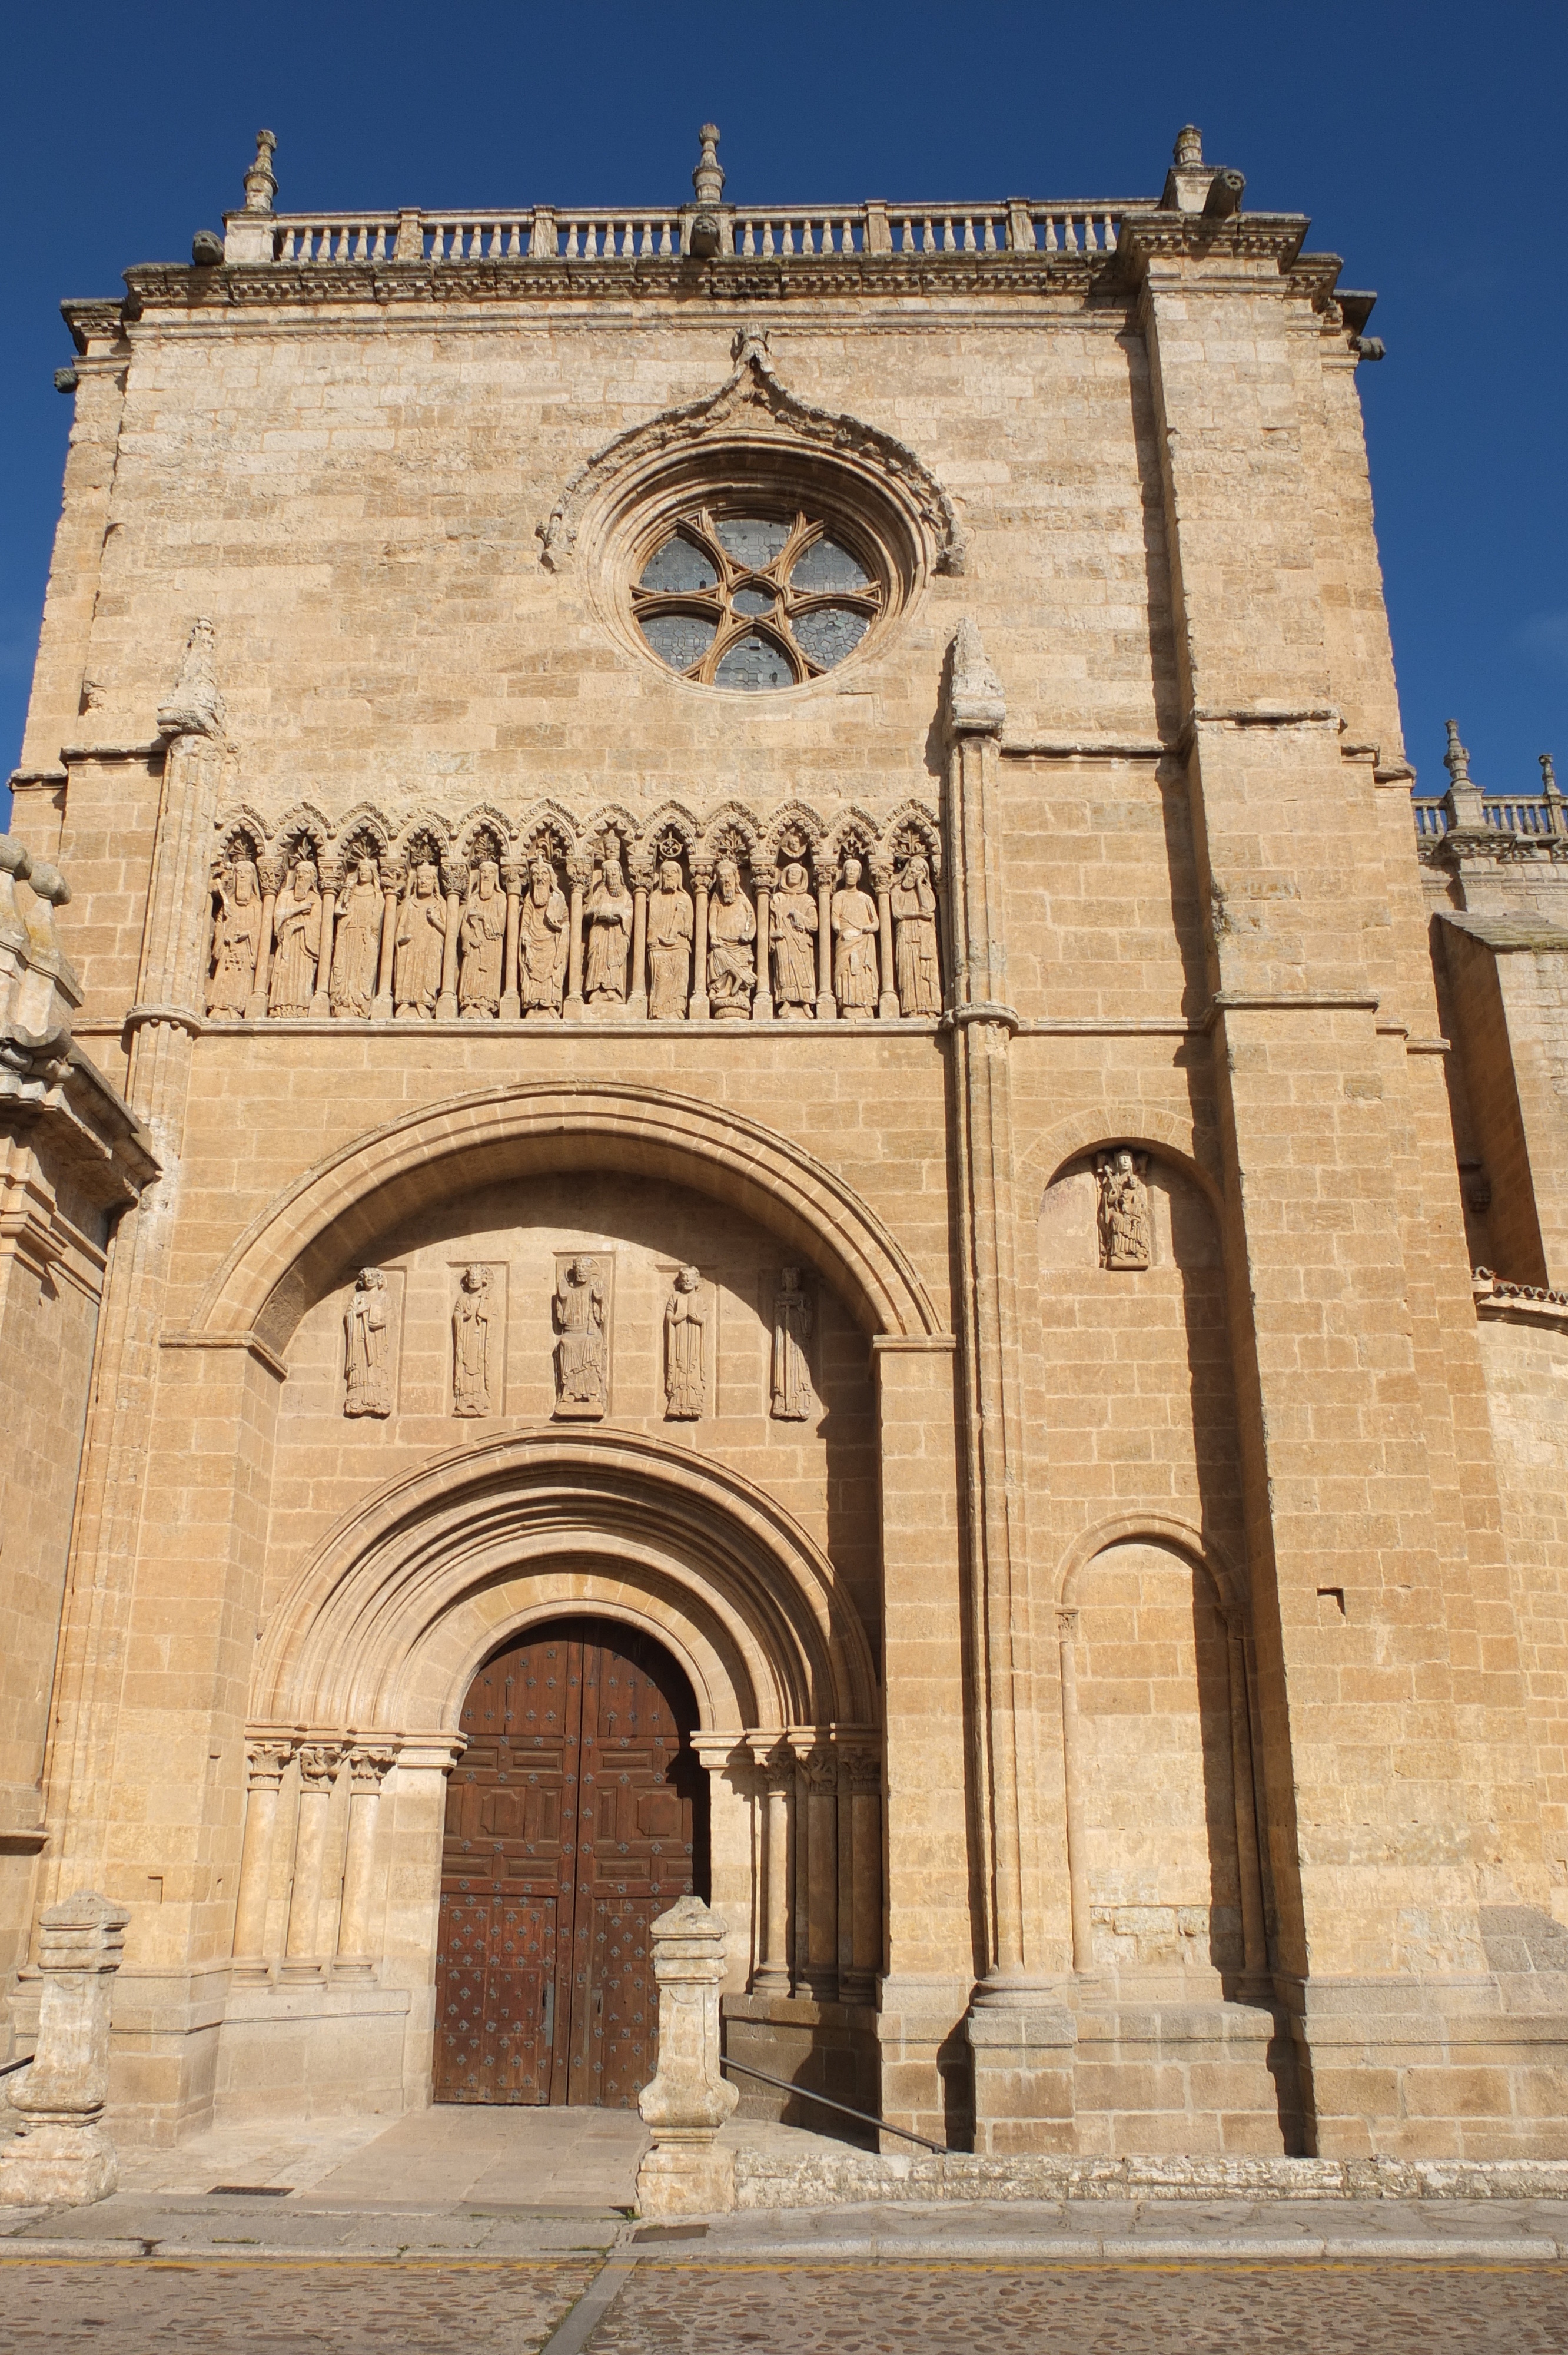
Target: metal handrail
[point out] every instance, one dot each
(9, 2068)
(843, 2108)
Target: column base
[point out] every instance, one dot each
(511, 1007)
(53, 2165)
(446, 1007)
(686, 2178)
(1023, 2068)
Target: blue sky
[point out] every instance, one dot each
(1427, 142)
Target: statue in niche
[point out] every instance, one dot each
(854, 945)
(481, 935)
(581, 1312)
(732, 928)
(1127, 1232)
(669, 918)
(609, 945)
(471, 1343)
(236, 938)
(297, 931)
(792, 920)
(541, 942)
(917, 971)
(791, 1371)
(367, 1346)
(357, 950)
(421, 945)
(686, 1336)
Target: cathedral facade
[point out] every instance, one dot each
(747, 1151)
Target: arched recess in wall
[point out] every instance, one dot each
(1162, 1838)
(304, 1240)
(386, 1624)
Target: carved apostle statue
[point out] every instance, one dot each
(917, 971)
(732, 928)
(608, 945)
(367, 1346)
(421, 945)
(854, 945)
(669, 945)
(297, 931)
(236, 937)
(480, 938)
(791, 1370)
(1127, 1234)
(541, 942)
(792, 921)
(471, 1343)
(685, 1331)
(581, 1309)
(357, 950)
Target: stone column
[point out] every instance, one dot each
(887, 1007)
(367, 1770)
(270, 874)
(860, 1931)
(454, 883)
(685, 2173)
(267, 1763)
(765, 882)
(817, 1872)
(573, 1009)
(981, 1025)
(824, 873)
(318, 1766)
(512, 876)
(391, 872)
(775, 1781)
(1072, 1778)
(330, 878)
(62, 2155)
(637, 994)
(702, 881)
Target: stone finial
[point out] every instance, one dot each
(1456, 760)
(1548, 773)
(62, 2155)
(685, 2173)
(195, 707)
(708, 178)
(1188, 147)
(975, 698)
(261, 181)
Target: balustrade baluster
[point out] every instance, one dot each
(1108, 241)
(1090, 244)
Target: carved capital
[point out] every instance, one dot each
(319, 1762)
(266, 1762)
(369, 1766)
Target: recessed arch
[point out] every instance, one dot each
(386, 1624)
(300, 1244)
(1157, 1529)
(1161, 1132)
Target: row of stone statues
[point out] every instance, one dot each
(580, 1316)
(501, 941)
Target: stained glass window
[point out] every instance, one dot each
(754, 602)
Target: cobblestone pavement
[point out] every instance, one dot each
(1220, 2308)
(288, 2306)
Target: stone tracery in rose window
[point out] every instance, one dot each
(754, 602)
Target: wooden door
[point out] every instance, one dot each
(576, 1813)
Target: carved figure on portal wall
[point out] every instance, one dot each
(792, 920)
(542, 941)
(685, 1340)
(421, 945)
(581, 1312)
(297, 930)
(367, 1346)
(732, 928)
(480, 937)
(918, 970)
(609, 913)
(236, 937)
(360, 905)
(790, 1384)
(854, 945)
(669, 919)
(1126, 1234)
(471, 1343)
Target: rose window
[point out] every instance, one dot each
(754, 602)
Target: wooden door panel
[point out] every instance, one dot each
(490, 2007)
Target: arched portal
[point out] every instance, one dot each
(578, 1813)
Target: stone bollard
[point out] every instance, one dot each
(686, 2173)
(61, 2156)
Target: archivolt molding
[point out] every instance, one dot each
(1163, 1134)
(753, 402)
(335, 1217)
(387, 1623)
(1155, 1529)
